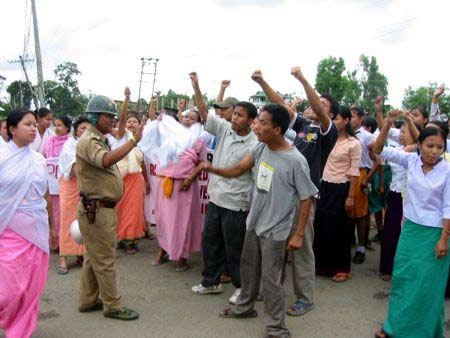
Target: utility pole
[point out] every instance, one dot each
(154, 76)
(140, 81)
(30, 86)
(149, 60)
(40, 86)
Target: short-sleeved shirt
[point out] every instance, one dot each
(314, 144)
(282, 179)
(93, 179)
(229, 193)
(365, 138)
(343, 161)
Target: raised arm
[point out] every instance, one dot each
(382, 137)
(435, 111)
(223, 86)
(244, 165)
(114, 156)
(199, 100)
(152, 109)
(123, 114)
(271, 94)
(378, 104)
(313, 98)
(181, 108)
(411, 126)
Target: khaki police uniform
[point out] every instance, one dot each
(105, 185)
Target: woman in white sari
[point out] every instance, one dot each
(24, 227)
(44, 118)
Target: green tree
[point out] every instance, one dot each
(353, 90)
(331, 78)
(373, 83)
(20, 94)
(422, 96)
(63, 95)
(170, 99)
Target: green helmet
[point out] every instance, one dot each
(101, 104)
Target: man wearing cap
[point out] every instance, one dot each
(225, 108)
(101, 187)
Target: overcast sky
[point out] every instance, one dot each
(227, 39)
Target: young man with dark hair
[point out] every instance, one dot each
(314, 139)
(367, 169)
(224, 228)
(281, 183)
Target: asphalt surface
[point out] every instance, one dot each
(167, 307)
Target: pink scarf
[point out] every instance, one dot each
(54, 146)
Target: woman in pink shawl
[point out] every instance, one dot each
(52, 150)
(24, 227)
(178, 215)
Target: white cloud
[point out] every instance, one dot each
(229, 39)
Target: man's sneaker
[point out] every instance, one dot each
(201, 290)
(122, 314)
(359, 258)
(235, 296)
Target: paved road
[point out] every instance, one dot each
(168, 308)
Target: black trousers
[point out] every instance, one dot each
(222, 242)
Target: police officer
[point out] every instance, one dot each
(101, 187)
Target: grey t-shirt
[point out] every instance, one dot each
(281, 180)
(229, 193)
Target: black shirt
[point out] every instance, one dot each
(314, 144)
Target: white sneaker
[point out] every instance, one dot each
(201, 290)
(235, 296)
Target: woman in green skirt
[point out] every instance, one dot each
(421, 266)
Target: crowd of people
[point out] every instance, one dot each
(284, 186)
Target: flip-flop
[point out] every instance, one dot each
(341, 277)
(229, 313)
(182, 268)
(385, 277)
(163, 260)
(61, 270)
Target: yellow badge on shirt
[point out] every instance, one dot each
(265, 174)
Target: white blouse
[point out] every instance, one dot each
(427, 195)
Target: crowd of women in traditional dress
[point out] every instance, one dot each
(393, 165)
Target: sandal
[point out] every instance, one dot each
(229, 313)
(132, 249)
(299, 308)
(341, 277)
(181, 268)
(385, 277)
(381, 334)
(61, 270)
(163, 260)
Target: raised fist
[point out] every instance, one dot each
(378, 103)
(393, 115)
(127, 92)
(257, 76)
(182, 104)
(225, 84)
(438, 92)
(194, 78)
(297, 72)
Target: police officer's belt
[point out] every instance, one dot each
(106, 204)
